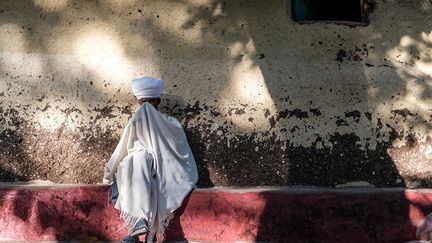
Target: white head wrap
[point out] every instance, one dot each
(147, 87)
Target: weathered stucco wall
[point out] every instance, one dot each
(264, 100)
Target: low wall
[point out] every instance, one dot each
(39, 213)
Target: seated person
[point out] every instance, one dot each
(152, 167)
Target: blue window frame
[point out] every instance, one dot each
(335, 11)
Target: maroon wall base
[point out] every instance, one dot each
(40, 213)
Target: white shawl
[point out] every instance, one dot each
(154, 169)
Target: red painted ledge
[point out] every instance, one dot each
(76, 212)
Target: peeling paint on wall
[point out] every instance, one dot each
(264, 100)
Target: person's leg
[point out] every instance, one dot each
(135, 189)
(154, 224)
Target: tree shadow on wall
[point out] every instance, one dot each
(334, 158)
(347, 105)
(328, 160)
(298, 155)
(333, 98)
(10, 154)
(62, 155)
(342, 107)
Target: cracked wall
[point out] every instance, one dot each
(264, 100)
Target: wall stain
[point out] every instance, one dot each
(61, 156)
(354, 114)
(368, 116)
(266, 113)
(341, 122)
(402, 112)
(315, 112)
(105, 112)
(231, 160)
(236, 111)
(191, 111)
(293, 113)
(341, 55)
(272, 122)
(250, 163)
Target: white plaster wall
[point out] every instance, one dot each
(68, 64)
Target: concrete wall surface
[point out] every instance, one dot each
(43, 213)
(264, 100)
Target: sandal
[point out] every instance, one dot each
(139, 228)
(130, 239)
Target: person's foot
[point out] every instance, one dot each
(139, 228)
(130, 239)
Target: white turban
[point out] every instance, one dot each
(147, 87)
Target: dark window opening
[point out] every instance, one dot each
(349, 11)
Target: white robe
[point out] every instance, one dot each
(154, 169)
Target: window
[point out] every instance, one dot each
(333, 11)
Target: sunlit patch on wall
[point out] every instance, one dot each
(119, 5)
(425, 63)
(427, 37)
(218, 10)
(413, 162)
(51, 5)
(411, 60)
(51, 120)
(247, 85)
(102, 53)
